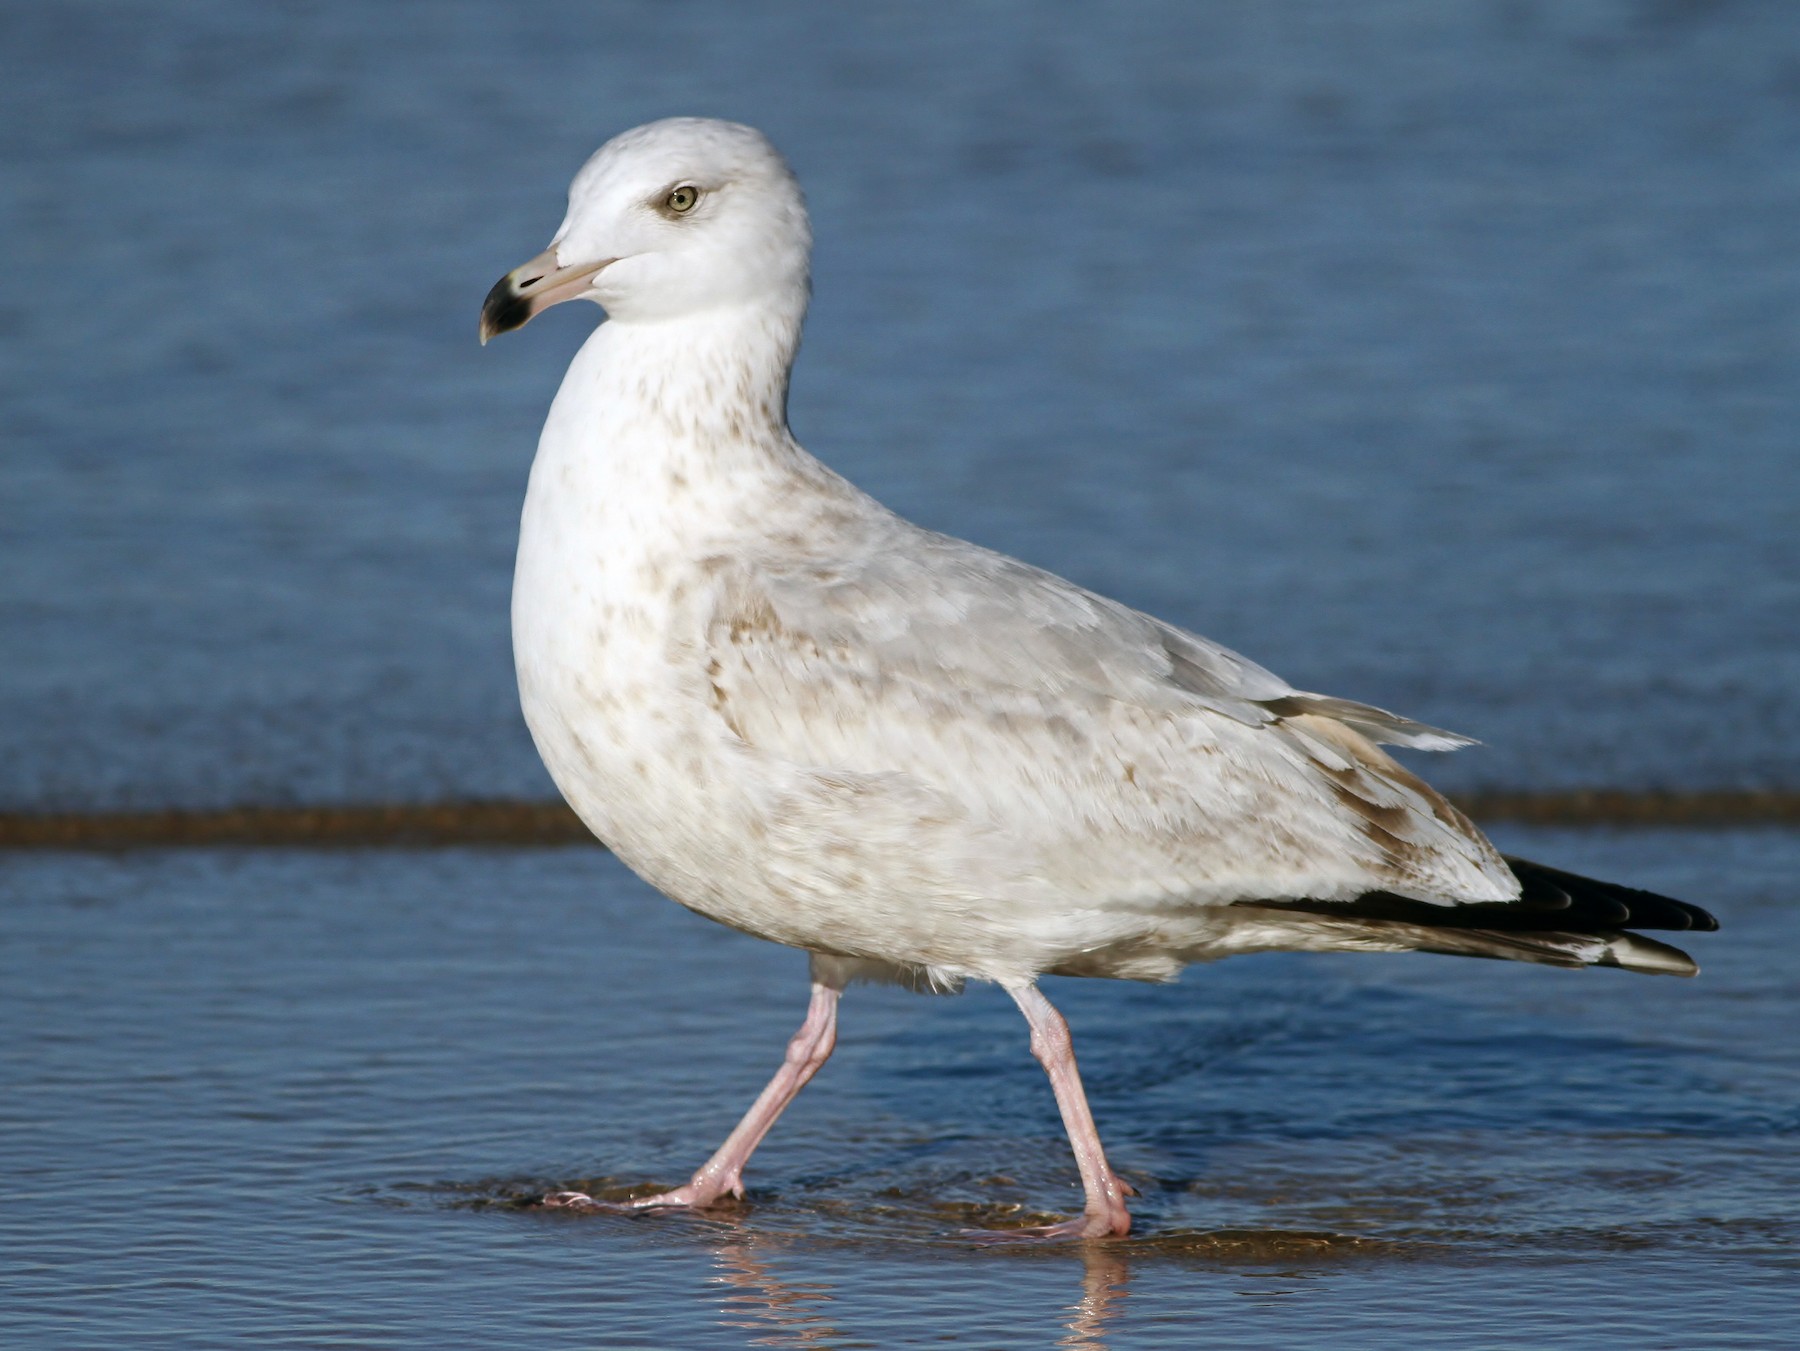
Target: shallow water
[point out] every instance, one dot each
(296, 1097)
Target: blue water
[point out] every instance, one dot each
(293, 1099)
(1440, 355)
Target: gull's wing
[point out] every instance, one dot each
(1121, 758)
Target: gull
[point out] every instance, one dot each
(922, 762)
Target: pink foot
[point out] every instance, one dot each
(574, 1201)
(1117, 1225)
(694, 1196)
(1105, 1215)
(722, 1175)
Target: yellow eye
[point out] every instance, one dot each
(683, 199)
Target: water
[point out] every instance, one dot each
(1436, 355)
(293, 1098)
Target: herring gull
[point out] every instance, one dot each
(794, 712)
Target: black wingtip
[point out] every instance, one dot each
(1607, 905)
(1553, 907)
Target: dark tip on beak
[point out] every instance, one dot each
(534, 287)
(504, 309)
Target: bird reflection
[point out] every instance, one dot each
(794, 1314)
(784, 1313)
(1103, 1292)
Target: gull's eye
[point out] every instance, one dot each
(682, 199)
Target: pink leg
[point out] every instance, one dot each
(1105, 1214)
(723, 1173)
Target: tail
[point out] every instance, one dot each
(1559, 919)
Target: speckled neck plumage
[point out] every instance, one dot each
(708, 383)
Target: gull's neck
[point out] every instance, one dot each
(711, 385)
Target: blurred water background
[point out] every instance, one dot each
(1441, 355)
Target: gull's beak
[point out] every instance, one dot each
(536, 286)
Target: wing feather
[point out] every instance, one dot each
(1128, 761)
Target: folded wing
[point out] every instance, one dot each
(1124, 760)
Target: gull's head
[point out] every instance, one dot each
(668, 219)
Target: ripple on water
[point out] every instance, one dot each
(276, 1093)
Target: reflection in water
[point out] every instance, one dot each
(788, 1314)
(783, 1313)
(1103, 1292)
